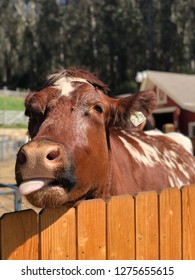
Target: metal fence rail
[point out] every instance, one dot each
(6, 189)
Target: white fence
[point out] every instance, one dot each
(12, 117)
(15, 93)
(9, 147)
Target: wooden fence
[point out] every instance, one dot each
(147, 226)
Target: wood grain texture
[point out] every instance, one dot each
(147, 231)
(91, 230)
(19, 236)
(170, 225)
(58, 234)
(120, 228)
(188, 215)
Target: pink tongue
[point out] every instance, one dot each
(31, 186)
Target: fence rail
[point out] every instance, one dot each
(7, 189)
(12, 117)
(147, 226)
(14, 93)
(9, 147)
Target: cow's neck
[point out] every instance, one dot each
(104, 190)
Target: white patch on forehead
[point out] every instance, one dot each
(65, 84)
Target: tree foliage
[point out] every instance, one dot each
(112, 38)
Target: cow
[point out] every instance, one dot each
(85, 144)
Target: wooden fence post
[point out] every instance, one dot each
(170, 224)
(121, 228)
(147, 231)
(57, 234)
(19, 236)
(91, 230)
(188, 218)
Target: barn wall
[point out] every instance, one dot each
(182, 118)
(186, 117)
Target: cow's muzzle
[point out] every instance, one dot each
(39, 159)
(43, 165)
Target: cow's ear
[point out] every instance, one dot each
(132, 111)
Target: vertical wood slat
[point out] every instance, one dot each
(188, 218)
(58, 234)
(120, 228)
(170, 224)
(147, 232)
(19, 236)
(91, 230)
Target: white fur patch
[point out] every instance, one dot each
(181, 140)
(175, 136)
(149, 156)
(65, 84)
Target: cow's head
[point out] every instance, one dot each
(70, 119)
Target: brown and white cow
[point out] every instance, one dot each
(85, 144)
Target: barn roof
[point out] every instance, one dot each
(179, 87)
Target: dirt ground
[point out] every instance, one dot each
(14, 133)
(7, 174)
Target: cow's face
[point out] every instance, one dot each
(68, 157)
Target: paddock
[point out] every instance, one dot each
(148, 226)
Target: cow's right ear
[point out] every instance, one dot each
(132, 111)
(27, 103)
(36, 102)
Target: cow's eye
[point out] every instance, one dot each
(98, 109)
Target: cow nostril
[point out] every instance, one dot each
(21, 158)
(53, 155)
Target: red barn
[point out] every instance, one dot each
(176, 99)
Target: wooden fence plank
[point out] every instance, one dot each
(120, 228)
(188, 214)
(58, 234)
(91, 225)
(170, 224)
(147, 233)
(19, 236)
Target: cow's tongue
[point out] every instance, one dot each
(30, 186)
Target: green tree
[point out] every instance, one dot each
(112, 38)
